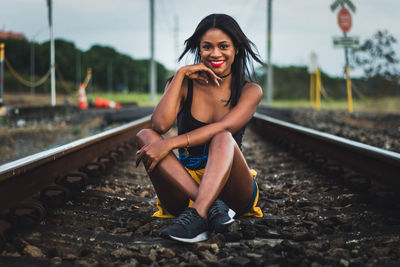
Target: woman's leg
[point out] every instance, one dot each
(172, 183)
(226, 176)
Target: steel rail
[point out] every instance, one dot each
(381, 165)
(23, 178)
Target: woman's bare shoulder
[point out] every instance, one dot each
(253, 89)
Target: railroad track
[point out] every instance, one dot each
(74, 209)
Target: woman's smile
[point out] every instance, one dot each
(217, 63)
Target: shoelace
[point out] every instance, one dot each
(217, 208)
(185, 217)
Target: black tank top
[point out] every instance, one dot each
(198, 155)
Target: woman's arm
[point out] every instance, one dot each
(233, 121)
(167, 109)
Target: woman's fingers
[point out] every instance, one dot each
(212, 75)
(139, 156)
(202, 72)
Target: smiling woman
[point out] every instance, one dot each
(212, 101)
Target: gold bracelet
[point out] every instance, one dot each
(188, 141)
(186, 151)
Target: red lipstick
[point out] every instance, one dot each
(217, 63)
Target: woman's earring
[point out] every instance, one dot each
(237, 52)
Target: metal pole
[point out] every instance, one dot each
(109, 77)
(269, 76)
(125, 77)
(318, 90)
(1, 72)
(176, 39)
(152, 62)
(52, 55)
(78, 69)
(32, 68)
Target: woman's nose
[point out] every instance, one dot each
(215, 52)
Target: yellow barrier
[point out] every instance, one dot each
(312, 88)
(87, 78)
(22, 80)
(1, 51)
(349, 96)
(63, 82)
(318, 90)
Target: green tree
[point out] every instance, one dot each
(379, 62)
(126, 71)
(376, 56)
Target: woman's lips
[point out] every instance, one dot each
(217, 63)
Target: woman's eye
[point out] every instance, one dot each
(206, 47)
(224, 47)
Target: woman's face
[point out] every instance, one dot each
(217, 51)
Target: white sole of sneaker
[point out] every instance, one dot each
(200, 237)
(231, 214)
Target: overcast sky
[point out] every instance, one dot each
(298, 27)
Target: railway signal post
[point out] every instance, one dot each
(345, 23)
(1, 72)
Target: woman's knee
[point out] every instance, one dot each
(223, 137)
(146, 136)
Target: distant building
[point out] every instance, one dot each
(11, 35)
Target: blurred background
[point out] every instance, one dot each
(112, 39)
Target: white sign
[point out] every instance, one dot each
(346, 42)
(313, 64)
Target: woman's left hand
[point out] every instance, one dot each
(152, 154)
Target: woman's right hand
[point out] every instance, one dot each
(200, 72)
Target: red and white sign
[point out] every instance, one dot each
(344, 20)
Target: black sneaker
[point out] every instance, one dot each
(189, 227)
(219, 217)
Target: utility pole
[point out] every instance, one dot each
(32, 68)
(52, 55)
(152, 62)
(125, 79)
(269, 70)
(176, 39)
(78, 69)
(109, 77)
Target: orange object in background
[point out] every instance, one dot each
(103, 103)
(82, 103)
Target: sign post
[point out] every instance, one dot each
(345, 23)
(1, 72)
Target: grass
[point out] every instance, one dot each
(142, 99)
(25, 99)
(387, 105)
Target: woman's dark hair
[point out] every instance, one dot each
(243, 46)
